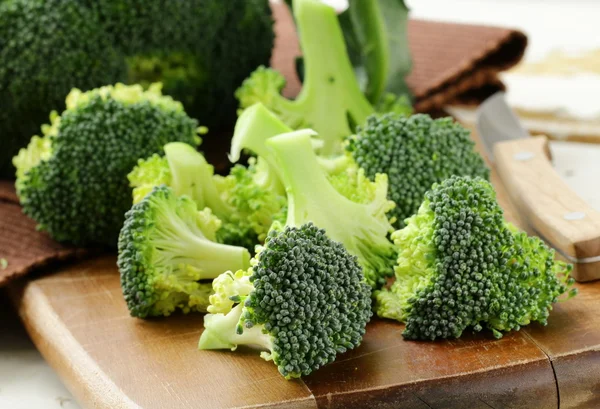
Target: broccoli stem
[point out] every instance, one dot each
(306, 181)
(192, 176)
(330, 91)
(180, 245)
(254, 126)
(220, 332)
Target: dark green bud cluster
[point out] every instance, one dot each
(415, 152)
(80, 194)
(310, 296)
(47, 47)
(485, 272)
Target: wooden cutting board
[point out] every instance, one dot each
(80, 323)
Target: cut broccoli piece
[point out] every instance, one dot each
(246, 208)
(460, 266)
(47, 47)
(166, 247)
(415, 152)
(73, 180)
(331, 101)
(361, 227)
(304, 301)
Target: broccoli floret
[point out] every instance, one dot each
(166, 247)
(304, 301)
(415, 152)
(361, 227)
(332, 193)
(200, 50)
(331, 101)
(461, 265)
(73, 180)
(46, 48)
(246, 208)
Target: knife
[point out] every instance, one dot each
(552, 209)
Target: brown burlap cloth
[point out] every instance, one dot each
(451, 63)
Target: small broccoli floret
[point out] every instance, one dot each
(362, 227)
(166, 247)
(246, 208)
(331, 101)
(415, 152)
(73, 180)
(460, 266)
(304, 301)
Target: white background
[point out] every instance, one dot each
(26, 381)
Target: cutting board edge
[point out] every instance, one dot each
(85, 379)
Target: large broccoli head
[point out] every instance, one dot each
(166, 247)
(73, 180)
(461, 265)
(304, 301)
(47, 47)
(415, 152)
(201, 50)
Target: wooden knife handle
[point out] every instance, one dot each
(547, 203)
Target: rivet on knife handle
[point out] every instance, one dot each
(552, 209)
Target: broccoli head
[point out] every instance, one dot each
(331, 101)
(415, 152)
(47, 47)
(73, 180)
(166, 247)
(246, 208)
(303, 301)
(460, 266)
(201, 50)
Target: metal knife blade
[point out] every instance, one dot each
(496, 122)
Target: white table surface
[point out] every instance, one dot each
(27, 382)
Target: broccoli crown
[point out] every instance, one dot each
(461, 265)
(166, 246)
(362, 226)
(246, 208)
(200, 50)
(304, 300)
(73, 180)
(46, 48)
(415, 152)
(331, 101)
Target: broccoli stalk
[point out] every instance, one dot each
(331, 101)
(166, 247)
(302, 302)
(461, 265)
(192, 175)
(221, 332)
(361, 227)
